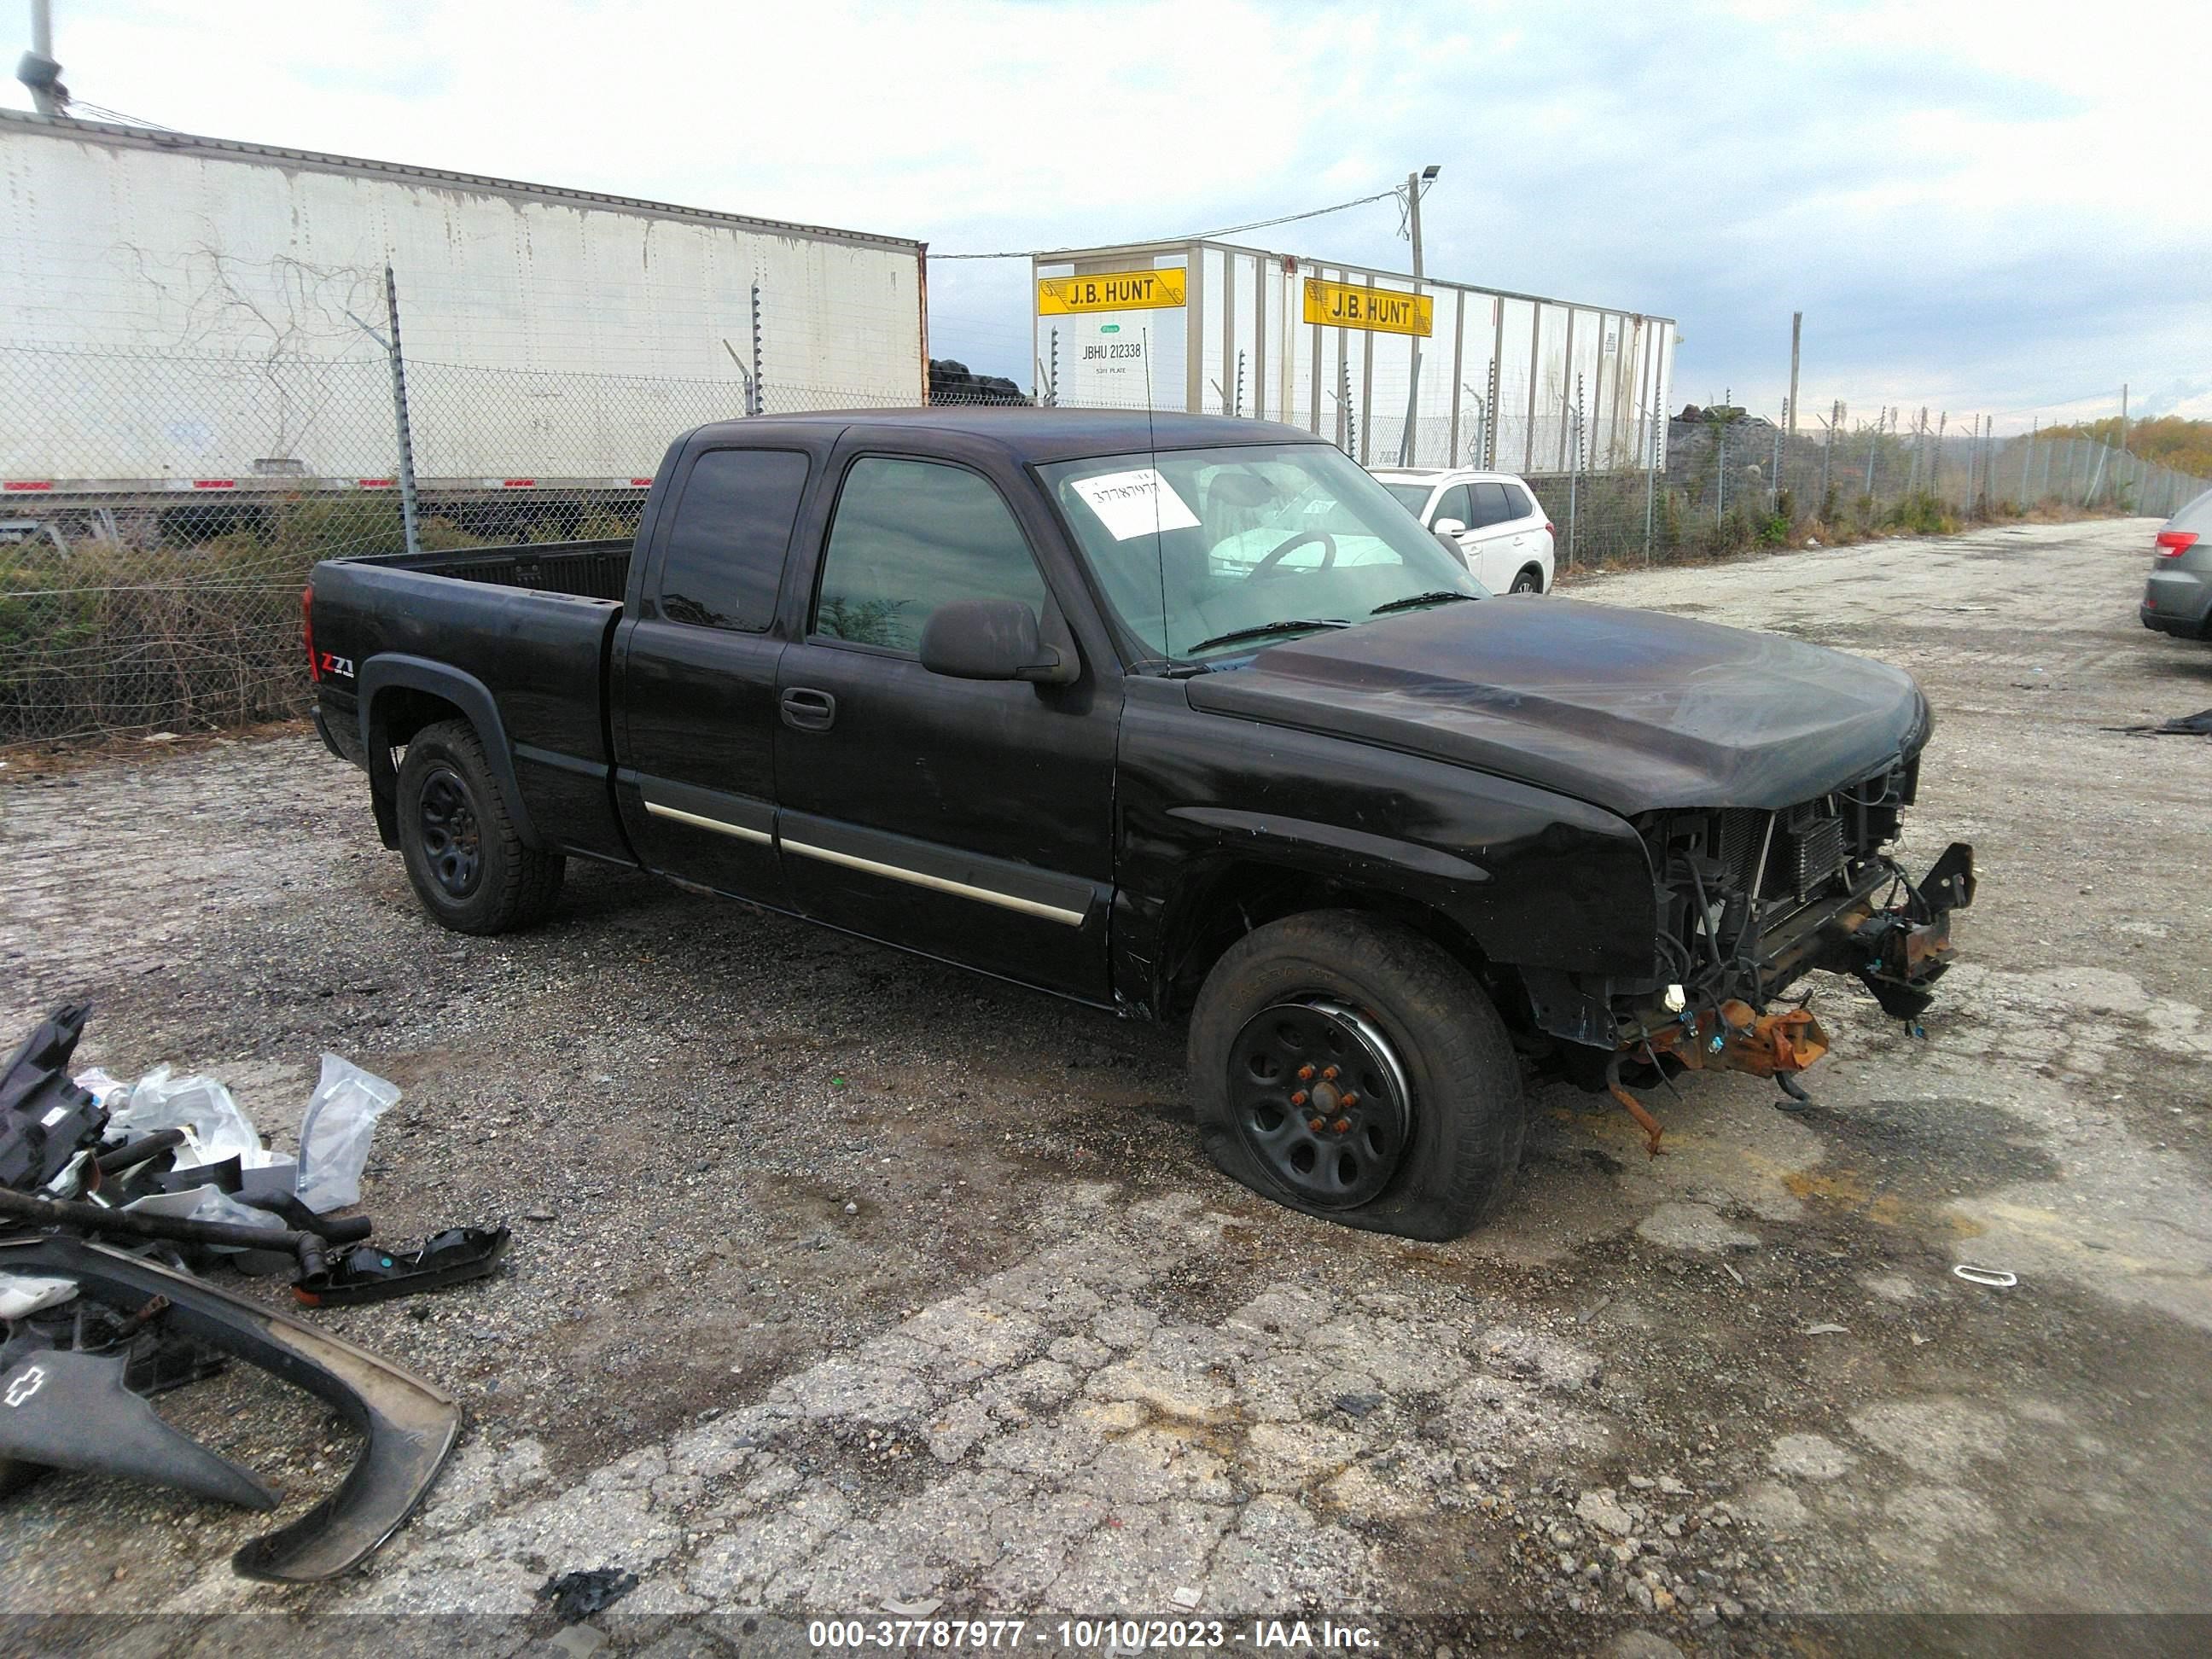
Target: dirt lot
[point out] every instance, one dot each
(840, 1279)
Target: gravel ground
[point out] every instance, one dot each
(842, 1282)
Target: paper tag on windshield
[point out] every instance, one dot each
(1135, 503)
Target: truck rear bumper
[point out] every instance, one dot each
(341, 734)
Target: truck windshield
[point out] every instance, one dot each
(1209, 552)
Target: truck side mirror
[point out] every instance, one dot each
(994, 640)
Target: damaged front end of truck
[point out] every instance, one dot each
(1750, 901)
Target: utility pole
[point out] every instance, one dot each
(2123, 418)
(37, 69)
(1414, 183)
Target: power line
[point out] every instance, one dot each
(1200, 235)
(115, 117)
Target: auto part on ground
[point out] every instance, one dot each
(216, 1128)
(409, 1426)
(2198, 724)
(578, 1595)
(368, 1274)
(132, 1153)
(177, 1229)
(45, 1120)
(72, 1410)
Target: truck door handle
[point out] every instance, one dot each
(808, 710)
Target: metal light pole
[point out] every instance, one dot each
(1414, 181)
(37, 69)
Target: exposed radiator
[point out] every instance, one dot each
(1812, 851)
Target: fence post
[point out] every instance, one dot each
(1774, 478)
(1574, 473)
(1720, 474)
(1828, 452)
(753, 392)
(1650, 488)
(408, 522)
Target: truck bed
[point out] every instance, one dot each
(589, 570)
(515, 639)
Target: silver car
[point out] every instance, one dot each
(2178, 598)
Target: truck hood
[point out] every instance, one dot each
(1631, 710)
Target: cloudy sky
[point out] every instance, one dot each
(1995, 207)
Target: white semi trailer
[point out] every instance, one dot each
(189, 314)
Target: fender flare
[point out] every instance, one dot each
(393, 671)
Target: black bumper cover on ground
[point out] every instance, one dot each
(408, 1426)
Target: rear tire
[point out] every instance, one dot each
(1435, 1028)
(1530, 580)
(468, 866)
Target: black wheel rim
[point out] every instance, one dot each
(1320, 1100)
(451, 844)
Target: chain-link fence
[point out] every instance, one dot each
(141, 592)
(1729, 483)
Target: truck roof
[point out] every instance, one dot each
(1027, 434)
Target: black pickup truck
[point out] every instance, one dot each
(1183, 717)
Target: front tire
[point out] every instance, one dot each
(469, 866)
(1363, 1026)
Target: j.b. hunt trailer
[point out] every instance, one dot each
(1504, 380)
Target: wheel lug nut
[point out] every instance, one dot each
(1315, 1126)
(1351, 1100)
(1305, 1073)
(1329, 1073)
(1300, 1099)
(1341, 1125)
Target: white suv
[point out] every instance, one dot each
(1494, 517)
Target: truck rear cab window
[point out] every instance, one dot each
(726, 544)
(910, 536)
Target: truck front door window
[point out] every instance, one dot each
(909, 536)
(726, 547)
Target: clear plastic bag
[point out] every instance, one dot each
(201, 1107)
(334, 1134)
(108, 1091)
